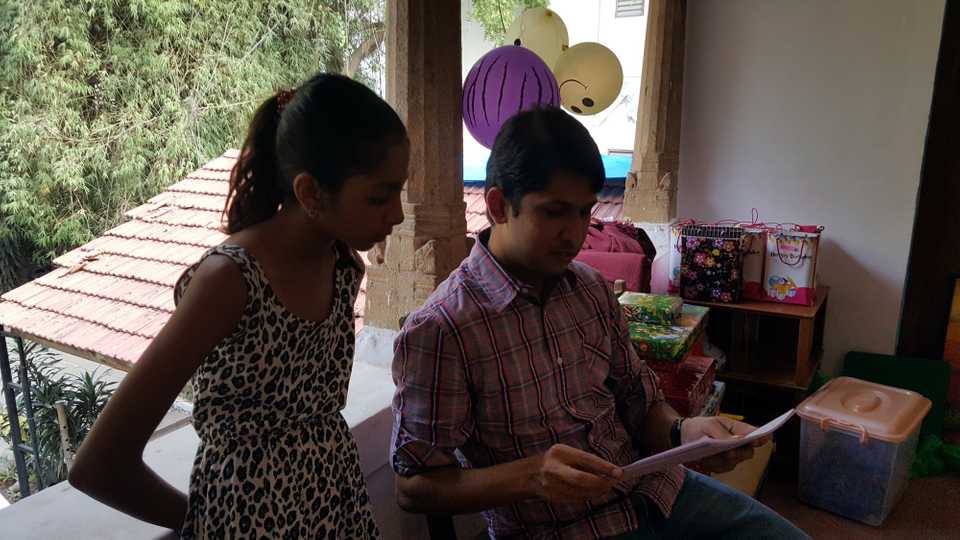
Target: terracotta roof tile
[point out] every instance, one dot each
(161, 232)
(134, 248)
(477, 223)
(218, 175)
(224, 162)
(117, 316)
(171, 215)
(109, 298)
(609, 203)
(203, 187)
(609, 206)
(158, 273)
(129, 291)
(191, 201)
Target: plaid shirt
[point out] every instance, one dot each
(486, 370)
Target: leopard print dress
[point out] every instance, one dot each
(276, 458)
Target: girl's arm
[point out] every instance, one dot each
(109, 466)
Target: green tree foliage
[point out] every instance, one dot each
(496, 15)
(103, 103)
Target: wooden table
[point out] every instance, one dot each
(769, 343)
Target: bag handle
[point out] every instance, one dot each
(799, 261)
(680, 224)
(754, 221)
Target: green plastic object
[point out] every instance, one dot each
(928, 461)
(934, 457)
(929, 378)
(950, 453)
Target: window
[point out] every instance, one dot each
(630, 8)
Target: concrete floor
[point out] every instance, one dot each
(929, 510)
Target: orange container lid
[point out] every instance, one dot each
(865, 408)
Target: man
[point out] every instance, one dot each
(518, 392)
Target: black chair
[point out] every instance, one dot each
(441, 527)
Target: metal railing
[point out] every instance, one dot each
(10, 391)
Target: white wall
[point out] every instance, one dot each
(815, 112)
(586, 20)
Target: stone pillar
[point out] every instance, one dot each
(424, 85)
(651, 188)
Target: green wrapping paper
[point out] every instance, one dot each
(651, 308)
(669, 342)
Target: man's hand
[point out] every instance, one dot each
(565, 475)
(720, 427)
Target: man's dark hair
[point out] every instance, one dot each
(533, 146)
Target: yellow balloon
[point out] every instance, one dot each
(590, 78)
(542, 31)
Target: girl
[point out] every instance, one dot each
(264, 324)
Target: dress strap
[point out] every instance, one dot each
(249, 269)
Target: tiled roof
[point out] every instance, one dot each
(609, 205)
(107, 299)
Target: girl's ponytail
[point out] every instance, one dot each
(255, 185)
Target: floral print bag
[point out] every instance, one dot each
(673, 256)
(711, 263)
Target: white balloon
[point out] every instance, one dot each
(542, 31)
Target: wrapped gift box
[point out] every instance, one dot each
(651, 308)
(669, 343)
(688, 384)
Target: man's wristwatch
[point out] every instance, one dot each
(675, 432)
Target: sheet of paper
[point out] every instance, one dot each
(700, 449)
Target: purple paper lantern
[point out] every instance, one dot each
(502, 83)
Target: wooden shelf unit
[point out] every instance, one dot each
(768, 343)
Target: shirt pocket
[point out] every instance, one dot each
(586, 361)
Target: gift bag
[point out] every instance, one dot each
(673, 257)
(711, 263)
(791, 265)
(754, 254)
(673, 260)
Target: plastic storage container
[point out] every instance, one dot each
(857, 442)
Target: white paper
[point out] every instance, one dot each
(701, 448)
